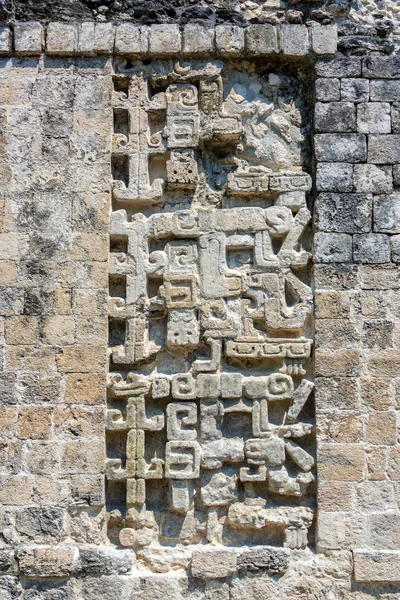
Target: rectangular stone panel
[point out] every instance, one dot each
(210, 434)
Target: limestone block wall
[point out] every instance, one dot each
(356, 273)
(165, 189)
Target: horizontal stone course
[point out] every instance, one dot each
(91, 38)
(104, 561)
(96, 38)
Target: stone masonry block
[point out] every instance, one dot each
(335, 117)
(372, 179)
(384, 149)
(381, 428)
(343, 213)
(387, 213)
(261, 39)
(334, 177)
(7, 562)
(395, 244)
(266, 558)
(229, 40)
(384, 527)
(355, 90)
(334, 147)
(371, 248)
(340, 66)
(331, 530)
(385, 90)
(332, 247)
(323, 39)
(5, 41)
(62, 38)
(396, 175)
(341, 462)
(131, 39)
(373, 117)
(198, 39)
(327, 90)
(374, 66)
(105, 561)
(96, 38)
(47, 561)
(214, 564)
(28, 38)
(294, 40)
(395, 113)
(165, 39)
(376, 565)
(384, 363)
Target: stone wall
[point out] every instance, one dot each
(159, 435)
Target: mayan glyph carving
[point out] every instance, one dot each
(210, 420)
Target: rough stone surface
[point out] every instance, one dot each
(334, 147)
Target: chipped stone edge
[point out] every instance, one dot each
(161, 41)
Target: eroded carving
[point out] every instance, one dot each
(210, 318)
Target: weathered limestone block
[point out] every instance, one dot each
(333, 147)
(328, 90)
(62, 38)
(323, 39)
(384, 149)
(47, 561)
(28, 38)
(373, 117)
(213, 564)
(376, 566)
(355, 90)
(261, 39)
(335, 117)
(131, 39)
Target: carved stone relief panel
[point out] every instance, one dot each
(210, 428)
